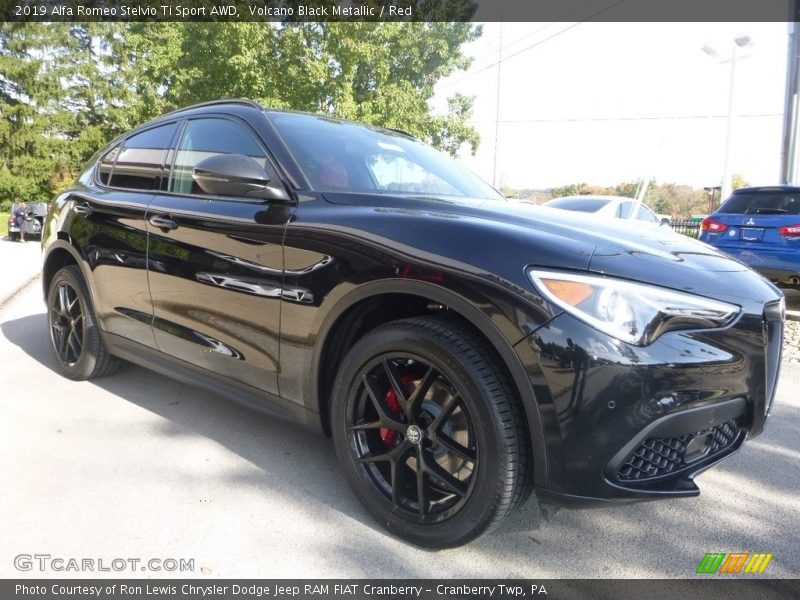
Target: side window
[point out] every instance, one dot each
(203, 138)
(140, 164)
(107, 164)
(624, 210)
(645, 214)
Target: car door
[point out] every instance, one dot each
(216, 263)
(108, 226)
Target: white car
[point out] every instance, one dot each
(608, 207)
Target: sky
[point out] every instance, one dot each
(603, 103)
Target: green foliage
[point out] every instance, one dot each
(738, 182)
(627, 189)
(68, 88)
(573, 189)
(378, 73)
(59, 101)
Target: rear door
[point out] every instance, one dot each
(108, 226)
(216, 263)
(762, 220)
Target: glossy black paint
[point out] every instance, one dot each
(260, 300)
(216, 285)
(110, 228)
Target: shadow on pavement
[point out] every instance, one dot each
(257, 438)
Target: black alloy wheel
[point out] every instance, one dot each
(67, 325)
(414, 437)
(74, 336)
(428, 431)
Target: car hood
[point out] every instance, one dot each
(613, 247)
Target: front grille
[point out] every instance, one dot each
(659, 457)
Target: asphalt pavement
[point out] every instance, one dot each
(19, 264)
(139, 466)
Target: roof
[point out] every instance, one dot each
(246, 103)
(768, 189)
(242, 101)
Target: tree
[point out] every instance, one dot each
(68, 88)
(627, 189)
(675, 200)
(738, 182)
(28, 91)
(60, 100)
(378, 73)
(573, 189)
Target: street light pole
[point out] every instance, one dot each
(727, 185)
(739, 42)
(497, 109)
(790, 111)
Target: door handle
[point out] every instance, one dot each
(163, 223)
(82, 209)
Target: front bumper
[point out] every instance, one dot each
(626, 423)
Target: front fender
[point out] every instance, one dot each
(476, 306)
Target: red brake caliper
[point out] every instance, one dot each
(390, 436)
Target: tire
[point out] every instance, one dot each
(428, 392)
(74, 335)
(13, 236)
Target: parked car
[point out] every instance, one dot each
(461, 351)
(760, 226)
(32, 222)
(609, 207)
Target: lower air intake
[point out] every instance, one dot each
(659, 457)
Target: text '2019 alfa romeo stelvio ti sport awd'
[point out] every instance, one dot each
(461, 350)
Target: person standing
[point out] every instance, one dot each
(22, 211)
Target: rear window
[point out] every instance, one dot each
(763, 203)
(587, 205)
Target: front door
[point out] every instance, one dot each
(216, 264)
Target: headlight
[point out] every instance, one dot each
(632, 312)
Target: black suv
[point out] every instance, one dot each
(461, 350)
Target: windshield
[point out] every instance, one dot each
(763, 203)
(587, 205)
(345, 157)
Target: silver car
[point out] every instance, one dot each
(608, 207)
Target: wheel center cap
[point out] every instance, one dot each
(413, 434)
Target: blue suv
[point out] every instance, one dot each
(761, 227)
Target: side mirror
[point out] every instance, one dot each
(236, 175)
(664, 221)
